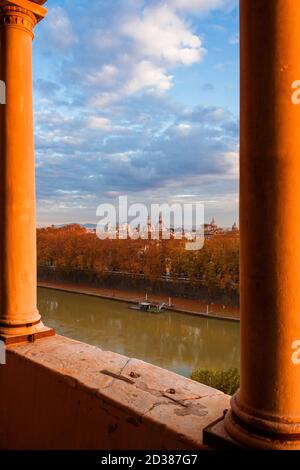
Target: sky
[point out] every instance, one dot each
(136, 98)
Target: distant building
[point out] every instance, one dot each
(211, 229)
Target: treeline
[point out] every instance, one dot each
(73, 248)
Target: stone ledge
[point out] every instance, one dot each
(57, 393)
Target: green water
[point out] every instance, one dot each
(175, 341)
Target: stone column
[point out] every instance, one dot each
(19, 317)
(266, 411)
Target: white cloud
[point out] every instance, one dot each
(59, 29)
(99, 123)
(184, 129)
(104, 76)
(155, 39)
(103, 40)
(146, 75)
(219, 114)
(143, 76)
(104, 99)
(161, 35)
(200, 6)
(231, 161)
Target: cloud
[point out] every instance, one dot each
(201, 6)
(143, 75)
(197, 5)
(99, 123)
(184, 129)
(109, 118)
(161, 35)
(105, 76)
(232, 163)
(58, 29)
(130, 161)
(155, 40)
(148, 76)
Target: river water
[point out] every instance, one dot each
(174, 341)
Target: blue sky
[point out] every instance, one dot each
(136, 97)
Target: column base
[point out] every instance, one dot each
(216, 436)
(228, 432)
(25, 334)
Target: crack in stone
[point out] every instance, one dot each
(199, 397)
(116, 376)
(155, 405)
(183, 410)
(182, 407)
(125, 365)
(192, 409)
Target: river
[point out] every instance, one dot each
(174, 341)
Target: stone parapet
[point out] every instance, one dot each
(58, 393)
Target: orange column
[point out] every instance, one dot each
(266, 411)
(19, 316)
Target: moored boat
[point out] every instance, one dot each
(149, 307)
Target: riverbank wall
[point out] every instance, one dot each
(180, 288)
(189, 307)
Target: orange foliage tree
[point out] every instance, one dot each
(72, 247)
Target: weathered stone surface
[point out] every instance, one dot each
(58, 393)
